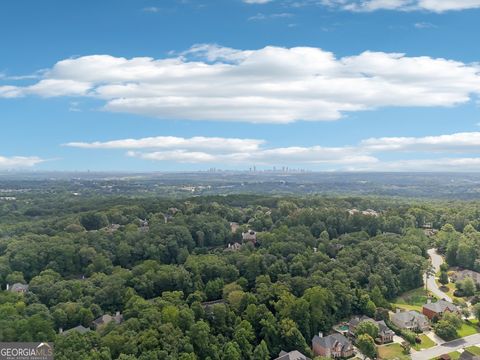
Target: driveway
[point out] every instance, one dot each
(437, 339)
(446, 348)
(436, 261)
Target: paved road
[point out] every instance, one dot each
(446, 348)
(436, 260)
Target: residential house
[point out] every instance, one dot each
(411, 320)
(467, 355)
(173, 210)
(437, 309)
(18, 288)
(80, 329)
(292, 355)
(430, 232)
(353, 323)
(209, 304)
(385, 334)
(334, 346)
(249, 236)
(167, 218)
(463, 274)
(144, 226)
(112, 228)
(107, 319)
(234, 227)
(368, 212)
(233, 247)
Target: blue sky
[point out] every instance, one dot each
(323, 85)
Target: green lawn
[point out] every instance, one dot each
(454, 355)
(425, 344)
(467, 329)
(391, 352)
(451, 289)
(417, 297)
(408, 307)
(474, 350)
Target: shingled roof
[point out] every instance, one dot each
(292, 355)
(440, 306)
(328, 342)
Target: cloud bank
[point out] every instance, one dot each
(16, 162)
(437, 6)
(364, 156)
(269, 85)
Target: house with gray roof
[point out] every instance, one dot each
(463, 274)
(18, 288)
(411, 320)
(334, 346)
(353, 323)
(292, 355)
(107, 319)
(385, 334)
(249, 236)
(79, 329)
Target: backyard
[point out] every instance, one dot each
(412, 300)
(449, 289)
(392, 351)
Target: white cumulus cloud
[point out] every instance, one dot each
(15, 162)
(437, 6)
(366, 155)
(268, 85)
(227, 150)
(459, 142)
(257, 1)
(213, 144)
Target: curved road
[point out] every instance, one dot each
(436, 260)
(446, 348)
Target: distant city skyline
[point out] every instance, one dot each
(184, 85)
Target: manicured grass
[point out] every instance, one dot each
(474, 350)
(417, 297)
(453, 355)
(408, 307)
(391, 352)
(467, 329)
(451, 289)
(425, 344)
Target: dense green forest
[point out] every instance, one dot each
(166, 266)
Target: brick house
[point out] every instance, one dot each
(438, 308)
